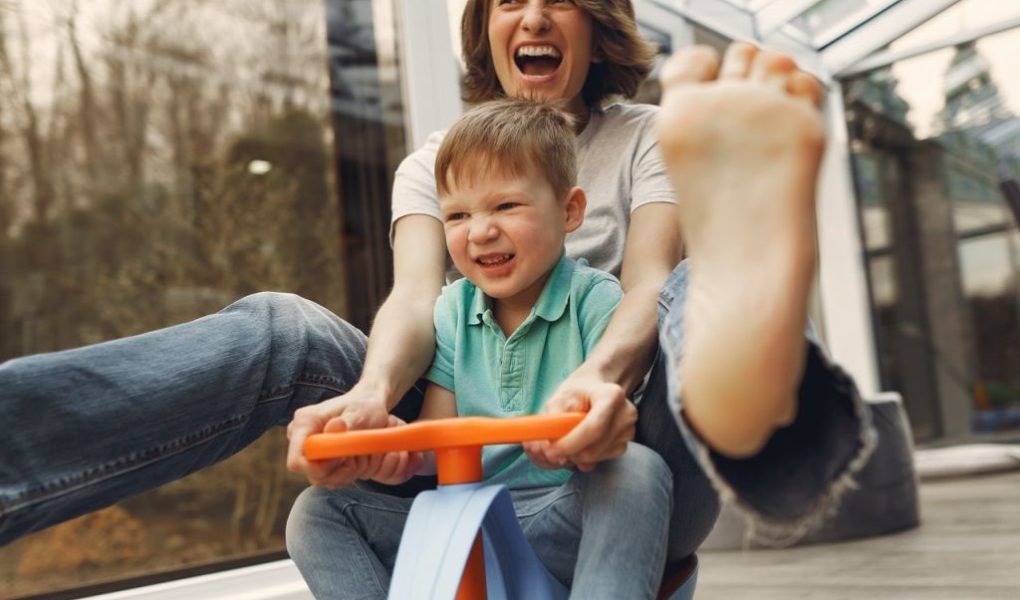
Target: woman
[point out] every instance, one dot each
(150, 409)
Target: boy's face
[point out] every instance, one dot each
(505, 233)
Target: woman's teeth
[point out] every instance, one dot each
(549, 51)
(537, 60)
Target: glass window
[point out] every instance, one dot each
(159, 160)
(936, 147)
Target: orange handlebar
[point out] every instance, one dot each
(440, 433)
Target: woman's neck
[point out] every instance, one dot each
(581, 113)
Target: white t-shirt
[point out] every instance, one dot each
(618, 166)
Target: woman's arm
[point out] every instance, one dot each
(619, 361)
(400, 348)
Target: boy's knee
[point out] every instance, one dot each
(313, 508)
(643, 462)
(301, 515)
(639, 469)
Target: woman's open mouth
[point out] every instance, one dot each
(537, 62)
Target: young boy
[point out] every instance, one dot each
(522, 318)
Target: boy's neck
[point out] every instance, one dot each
(510, 313)
(509, 318)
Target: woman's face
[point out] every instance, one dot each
(541, 49)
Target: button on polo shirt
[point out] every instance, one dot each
(498, 376)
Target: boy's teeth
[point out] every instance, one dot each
(492, 260)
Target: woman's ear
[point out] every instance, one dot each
(573, 207)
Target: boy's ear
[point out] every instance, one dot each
(574, 207)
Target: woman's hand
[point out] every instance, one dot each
(399, 350)
(601, 435)
(357, 409)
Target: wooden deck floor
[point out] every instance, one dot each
(967, 548)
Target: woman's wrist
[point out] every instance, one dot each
(376, 390)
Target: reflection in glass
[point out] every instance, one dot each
(936, 167)
(159, 160)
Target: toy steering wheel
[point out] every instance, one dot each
(457, 443)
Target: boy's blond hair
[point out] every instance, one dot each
(509, 137)
(626, 56)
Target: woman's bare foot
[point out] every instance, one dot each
(743, 141)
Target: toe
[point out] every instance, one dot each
(737, 61)
(805, 87)
(772, 69)
(690, 65)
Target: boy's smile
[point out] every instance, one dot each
(505, 233)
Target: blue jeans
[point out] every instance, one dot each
(602, 534)
(88, 427)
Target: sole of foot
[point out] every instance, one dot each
(743, 141)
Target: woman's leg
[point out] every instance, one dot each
(85, 428)
(345, 541)
(603, 533)
(695, 502)
(799, 476)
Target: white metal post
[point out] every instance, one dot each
(428, 69)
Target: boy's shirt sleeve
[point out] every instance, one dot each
(444, 316)
(597, 308)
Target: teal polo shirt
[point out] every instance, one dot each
(495, 376)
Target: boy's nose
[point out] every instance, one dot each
(481, 230)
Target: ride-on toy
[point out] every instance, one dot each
(462, 541)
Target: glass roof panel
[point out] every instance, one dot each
(966, 16)
(828, 20)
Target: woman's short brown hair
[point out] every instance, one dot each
(627, 57)
(509, 137)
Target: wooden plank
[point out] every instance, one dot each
(968, 546)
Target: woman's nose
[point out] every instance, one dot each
(535, 19)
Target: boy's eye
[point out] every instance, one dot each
(459, 216)
(507, 205)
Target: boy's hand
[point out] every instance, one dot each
(357, 409)
(537, 452)
(601, 435)
(394, 468)
(391, 468)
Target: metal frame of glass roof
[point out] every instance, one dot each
(858, 28)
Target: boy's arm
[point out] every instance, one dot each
(619, 361)
(440, 403)
(399, 350)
